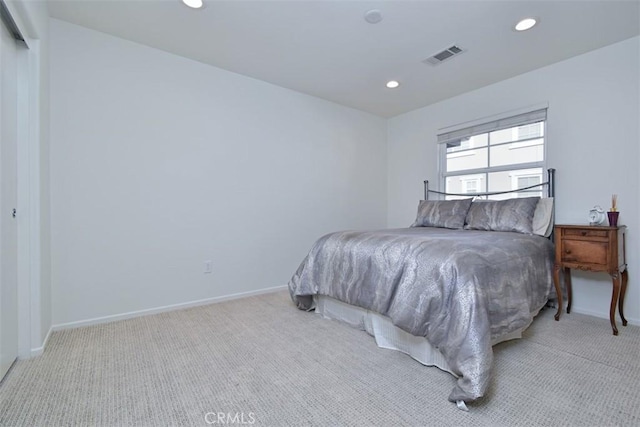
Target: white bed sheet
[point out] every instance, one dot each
(386, 334)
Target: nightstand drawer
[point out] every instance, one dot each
(582, 232)
(584, 252)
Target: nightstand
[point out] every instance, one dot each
(592, 248)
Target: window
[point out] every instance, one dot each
(502, 155)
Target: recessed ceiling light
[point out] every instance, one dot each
(195, 4)
(525, 24)
(392, 84)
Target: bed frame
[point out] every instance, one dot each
(550, 183)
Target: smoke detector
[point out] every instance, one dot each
(444, 55)
(373, 16)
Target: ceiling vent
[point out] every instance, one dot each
(445, 55)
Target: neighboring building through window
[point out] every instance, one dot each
(471, 184)
(528, 178)
(502, 155)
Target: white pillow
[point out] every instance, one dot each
(542, 223)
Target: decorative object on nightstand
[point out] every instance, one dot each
(613, 212)
(592, 248)
(596, 215)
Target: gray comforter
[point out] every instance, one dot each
(461, 289)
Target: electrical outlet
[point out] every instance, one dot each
(208, 267)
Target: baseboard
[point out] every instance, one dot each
(630, 320)
(146, 312)
(39, 350)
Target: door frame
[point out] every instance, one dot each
(30, 309)
(30, 340)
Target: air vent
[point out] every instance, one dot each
(446, 54)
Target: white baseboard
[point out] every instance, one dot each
(39, 350)
(146, 312)
(630, 320)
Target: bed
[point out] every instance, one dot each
(465, 276)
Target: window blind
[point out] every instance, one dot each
(507, 122)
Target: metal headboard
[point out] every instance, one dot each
(550, 183)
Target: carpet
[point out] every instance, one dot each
(260, 361)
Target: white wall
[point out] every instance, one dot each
(593, 142)
(159, 163)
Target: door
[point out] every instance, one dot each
(8, 201)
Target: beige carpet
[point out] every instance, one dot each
(262, 362)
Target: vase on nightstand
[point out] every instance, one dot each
(613, 218)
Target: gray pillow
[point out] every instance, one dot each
(503, 215)
(442, 213)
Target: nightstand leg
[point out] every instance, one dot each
(614, 300)
(567, 283)
(556, 283)
(623, 290)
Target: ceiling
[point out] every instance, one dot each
(326, 48)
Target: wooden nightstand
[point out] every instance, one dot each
(592, 248)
